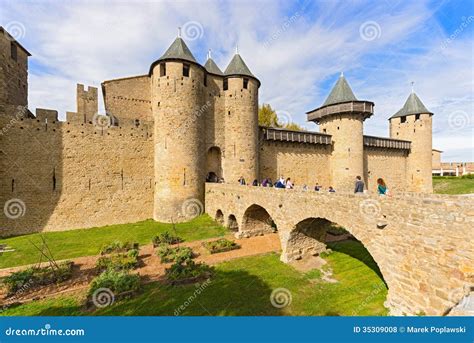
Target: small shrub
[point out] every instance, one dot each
(117, 281)
(169, 254)
(118, 247)
(220, 245)
(188, 271)
(166, 238)
(34, 277)
(119, 261)
(468, 176)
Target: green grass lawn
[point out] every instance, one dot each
(243, 286)
(84, 242)
(453, 185)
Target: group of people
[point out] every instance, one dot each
(381, 186)
(267, 182)
(359, 186)
(282, 183)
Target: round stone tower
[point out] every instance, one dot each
(178, 111)
(342, 116)
(241, 122)
(414, 123)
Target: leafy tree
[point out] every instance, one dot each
(268, 117)
(294, 126)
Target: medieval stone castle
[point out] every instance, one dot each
(164, 131)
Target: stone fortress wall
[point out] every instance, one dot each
(73, 174)
(162, 133)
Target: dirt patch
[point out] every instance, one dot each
(308, 263)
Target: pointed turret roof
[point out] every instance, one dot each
(341, 92)
(178, 50)
(237, 66)
(341, 99)
(211, 66)
(413, 105)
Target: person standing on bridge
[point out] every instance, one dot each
(359, 185)
(381, 187)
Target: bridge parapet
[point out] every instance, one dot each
(420, 242)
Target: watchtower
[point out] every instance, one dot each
(413, 122)
(178, 111)
(241, 121)
(342, 116)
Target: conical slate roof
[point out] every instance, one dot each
(413, 105)
(212, 67)
(341, 92)
(237, 66)
(178, 50)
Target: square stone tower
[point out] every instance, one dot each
(13, 71)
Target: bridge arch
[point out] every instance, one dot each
(232, 223)
(219, 217)
(407, 236)
(256, 221)
(313, 235)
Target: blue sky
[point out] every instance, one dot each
(296, 48)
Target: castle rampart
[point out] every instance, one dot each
(165, 132)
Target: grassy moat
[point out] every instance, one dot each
(239, 287)
(85, 242)
(242, 287)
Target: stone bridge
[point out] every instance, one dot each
(422, 244)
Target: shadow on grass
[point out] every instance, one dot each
(229, 293)
(356, 249)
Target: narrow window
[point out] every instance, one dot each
(417, 116)
(246, 83)
(54, 179)
(162, 69)
(13, 185)
(185, 70)
(205, 80)
(13, 51)
(403, 119)
(226, 85)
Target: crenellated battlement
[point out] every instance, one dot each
(47, 121)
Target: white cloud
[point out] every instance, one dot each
(295, 48)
